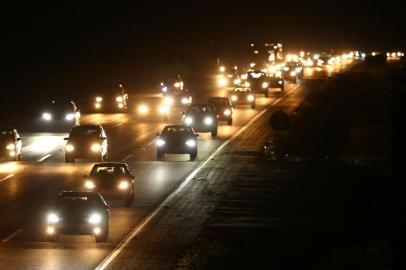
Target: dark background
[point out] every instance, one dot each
(70, 49)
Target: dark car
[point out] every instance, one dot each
(178, 98)
(86, 141)
(152, 108)
(112, 180)
(292, 71)
(171, 84)
(111, 100)
(202, 118)
(177, 139)
(243, 96)
(78, 213)
(223, 107)
(57, 114)
(10, 144)
(259, 82)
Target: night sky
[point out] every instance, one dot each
(77, 46)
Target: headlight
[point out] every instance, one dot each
(222, 82)
(11, 147)
(99, 99)
(69, 147)
(160, 142)
(95, 218)
(234, 98)
(123, 185)
(247, 84)
(185, 100)
(164, 89)
(188, 120)
(163, 109)
(89, 184)
(297, 69)
(47, 116)
(177, 85)
(53, 218)
(190, 143)
(69, 117)
(250, 98)
(293, 73)
(168, 101)
(120, 105)
(208, 120)
(143, 109)
(95, 147)
(227, 112)
(119, 99)
(97, 105)
(265, 85)
(286, 68)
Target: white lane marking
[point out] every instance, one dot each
(127, 157)
(44, 157)
(7, 177)
(11, 236)
(120, 247)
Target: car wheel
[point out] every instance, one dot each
(214, 133)
(266, 93)
(193, 155)
(230, 122)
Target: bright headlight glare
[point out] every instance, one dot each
(69, 116)
(234, 98)
(168, 101)
(164, 89)
(208, 120)
(119, 99)
(99, 99)
(69, 147)
(177, 85)
(293, 73)
(190, 143)
(143, 109)
(11, 146)
(53, 218)
(95, 147)
(160, 142)
(185, 100)
(250, 98)
(227, 112)
(163, 109)
(286, 68)
(188, 120)
(95, 218)
(265, 85)
(123, 185)
(89, 184)
(222, 81)
(97, 105)
(47, 116)
(297, 69)
(120, 105)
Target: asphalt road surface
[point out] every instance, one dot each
(27, 187)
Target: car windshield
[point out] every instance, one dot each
(84, 132)
(218, 101)
(197, 109)
(176, 130)
(75, 202)
(239, 90)
(108, 170)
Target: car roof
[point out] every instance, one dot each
(176, 126)
(71, 193)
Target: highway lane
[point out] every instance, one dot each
(22, 215)
(22, 209)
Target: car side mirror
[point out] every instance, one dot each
(66, 139)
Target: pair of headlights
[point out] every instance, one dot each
(207, 120)
(123, 185)
(250, 98)
(161, 142)
(94, 218)
(48, 117)
(96, 147)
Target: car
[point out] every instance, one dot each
(175, 83)
(202, 118)
(59, 113)
(260, 82)
(177, 139)
(78, 213)
(113, 180)
(243, 96)
(178, 98)
(10, 144)
(223, 107)
(152, 108)
(111, 100)
(292, 71)
(86, 141)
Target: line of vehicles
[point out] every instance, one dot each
(86, 211)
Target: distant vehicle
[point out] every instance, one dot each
(114, 100)
(153, 108)
(292, 71)
(202, 118)
(112, 180)
(172, 84)
(60, 113)
(259, 82)
(79, 213)
(178, 98)
(86, 141)
(177, 139)
(10, 144)
(243, 96)
(223, 107)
